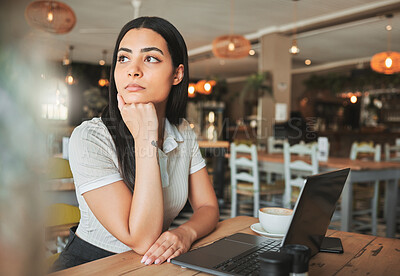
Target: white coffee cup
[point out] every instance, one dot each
(275, 220)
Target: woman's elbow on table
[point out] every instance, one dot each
(141, 242)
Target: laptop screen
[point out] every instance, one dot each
(314, 209)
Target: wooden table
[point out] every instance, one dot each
(363, 255)
(361, 171)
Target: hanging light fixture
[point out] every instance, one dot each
(202, 86)
(69, 79)
(231, 46)
(50, 16)
(103, 81)
(205, 86)
(66, 59)
(294, 49)
(386, 62)
(192, 90)
(208, 86)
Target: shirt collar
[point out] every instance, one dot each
(171, 137)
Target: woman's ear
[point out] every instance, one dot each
(178, 76)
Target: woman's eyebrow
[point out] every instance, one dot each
(125, 49)
(143, 50)
(149, 49)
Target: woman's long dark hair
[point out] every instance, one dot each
(177, 100)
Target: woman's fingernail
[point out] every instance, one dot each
(144, 259)
(157, 261)
(148, 261)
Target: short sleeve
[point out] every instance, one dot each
(92, 157)
(197, 161)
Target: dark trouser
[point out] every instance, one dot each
(78, 251)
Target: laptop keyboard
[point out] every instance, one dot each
(247, 263)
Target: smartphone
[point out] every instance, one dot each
(331, 245)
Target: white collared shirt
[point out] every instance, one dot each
(94, 164)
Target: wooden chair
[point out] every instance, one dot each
(275, 145)
(296, 169)
(245, 178)
(392, 153)
(361, 151)
(58, 168)
(60, 216)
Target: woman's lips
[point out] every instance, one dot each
(134, 87)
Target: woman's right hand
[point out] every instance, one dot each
(141, 119)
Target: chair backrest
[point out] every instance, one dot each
(62, 214)
(244, 168)
(296, 169)
(323, 148)
(58, 168)
(365, 148)
(392, 153)
(275, 145)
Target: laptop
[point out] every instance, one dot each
(311, 217)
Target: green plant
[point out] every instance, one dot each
(93, 102)
(256, 86)
(357, 80)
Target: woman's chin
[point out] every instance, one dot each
(135, 100)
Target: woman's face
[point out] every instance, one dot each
(144, 71)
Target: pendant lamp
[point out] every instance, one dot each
(103, 81)
(386, 62)
(69, 79)
(231, 46)
(294, 49)
(50, 16)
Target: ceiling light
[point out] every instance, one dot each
(68, 55)
(102, 61)
(252, 52)
(231, 46)
(294, 49)
(307, 62)
(69, 79)
(50, 16)
(191, 90)
(103, 81)
(386, 62)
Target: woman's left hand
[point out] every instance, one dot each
(169, 245)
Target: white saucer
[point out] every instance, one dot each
(256, 227)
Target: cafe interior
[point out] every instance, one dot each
(279, 90)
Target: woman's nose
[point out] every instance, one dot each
(135, 71)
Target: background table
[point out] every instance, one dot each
(361, 171)
(363, 255)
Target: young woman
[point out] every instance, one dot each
(135, 167)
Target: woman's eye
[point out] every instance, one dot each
(122, 59)
(151, 59)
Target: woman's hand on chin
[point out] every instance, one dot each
(140, 118)
(169, 245)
